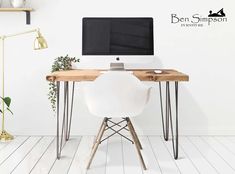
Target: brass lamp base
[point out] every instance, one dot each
(4, 136)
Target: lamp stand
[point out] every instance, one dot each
(39, 43)
(4, 135)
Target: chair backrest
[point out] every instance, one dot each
(116, 94)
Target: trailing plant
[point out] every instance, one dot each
(7, 101)
(60, 63)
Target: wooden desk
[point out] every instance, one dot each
(167, 76)
(144, 75)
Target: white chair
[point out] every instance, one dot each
(116, 94)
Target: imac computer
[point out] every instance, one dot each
(108, 41)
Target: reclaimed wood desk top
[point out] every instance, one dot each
(143, 75)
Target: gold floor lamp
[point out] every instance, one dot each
(39, 43)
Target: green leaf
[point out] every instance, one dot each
(0, 111)
(7, 101)
(10, 111)
(60, 63)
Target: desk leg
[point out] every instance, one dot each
(71, 112)
(59, 140)
(58, 150)
(66, 121)
(167, 122)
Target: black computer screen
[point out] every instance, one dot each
(117, 36)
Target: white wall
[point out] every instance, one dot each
(206, 54)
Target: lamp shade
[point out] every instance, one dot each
(40, 42)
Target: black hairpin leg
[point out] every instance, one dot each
(58, 121)
(71, 112)
(59, 140)
(66, 109)
(167, 122)
(66, 121)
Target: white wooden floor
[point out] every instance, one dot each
(36, 155)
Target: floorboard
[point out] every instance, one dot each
(184, 164)
(62, 166)
(98, 164)
(11, 148)
(47, 160)
(197, 155)
(4, 144)
(222, 151)
(32, 158)
(150, 159)
(199, 161)
(130, 158)
(212, 156)
(18, 156)
(230, 145)
(78, 165)
(114, 156)
(166, 162)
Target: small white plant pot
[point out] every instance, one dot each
(17, 3)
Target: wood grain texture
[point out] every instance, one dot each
(143, 75)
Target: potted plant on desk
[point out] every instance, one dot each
(61, 63)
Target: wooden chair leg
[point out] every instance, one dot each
(97, 143)
(102, 124)
(137, 147)
(137, 139)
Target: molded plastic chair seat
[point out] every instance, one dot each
(116, 94)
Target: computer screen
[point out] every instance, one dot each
(117, 36)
